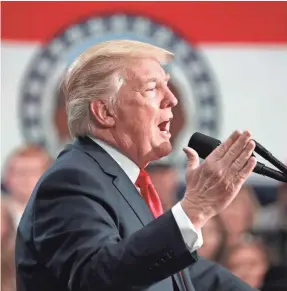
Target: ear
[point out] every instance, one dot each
(102, 113)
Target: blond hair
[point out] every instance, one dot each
(98, 73)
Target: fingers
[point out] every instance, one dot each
(236, 149)
(193, 158)
(241, 161)
(245, 172)
(221, 150)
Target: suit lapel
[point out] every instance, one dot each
(121, 181)
(134, 199)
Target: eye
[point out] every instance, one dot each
(150, 92)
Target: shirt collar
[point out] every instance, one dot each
(128, 166)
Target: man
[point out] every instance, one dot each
(23, 169)
(94, 220)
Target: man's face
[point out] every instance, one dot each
(249, 264)
(144, 113)
(22, 175)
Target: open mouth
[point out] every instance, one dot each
(164, 126)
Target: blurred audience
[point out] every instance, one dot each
(7, 246)
(271, 223)
(238, 217)
(247, 260)
(214, 237)
(274, 215)
(23, 169)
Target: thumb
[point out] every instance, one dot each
(192, 157)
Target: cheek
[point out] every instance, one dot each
(144, 117)
(138, 115)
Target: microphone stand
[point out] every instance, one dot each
(280, 174)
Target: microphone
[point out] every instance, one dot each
(204, 145)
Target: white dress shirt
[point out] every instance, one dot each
(191, 236)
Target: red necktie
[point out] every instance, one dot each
(149, 193)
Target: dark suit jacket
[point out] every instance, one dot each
(87, 228)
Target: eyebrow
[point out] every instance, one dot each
(149, 80)
(153, 79)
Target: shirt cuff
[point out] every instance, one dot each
(192, 237)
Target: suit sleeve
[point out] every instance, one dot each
(76, 234)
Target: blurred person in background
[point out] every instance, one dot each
(165, 179)
(271, 224)
(274, 216)
(214, 236)
(22, 171)
(7, 246)
(239, 217)
(249, 261)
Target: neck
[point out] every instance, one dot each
(123, 145)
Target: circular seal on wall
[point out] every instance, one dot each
(42, 108)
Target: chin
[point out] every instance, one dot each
(163, 150)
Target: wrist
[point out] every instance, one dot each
(195, 213)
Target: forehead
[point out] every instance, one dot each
(27, 161)
(144, 70)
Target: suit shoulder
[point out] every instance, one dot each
(72, 167)
(74, 161)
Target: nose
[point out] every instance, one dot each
(169, 99)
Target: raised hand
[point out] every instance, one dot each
(212, 185)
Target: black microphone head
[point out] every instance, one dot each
(203, 144)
